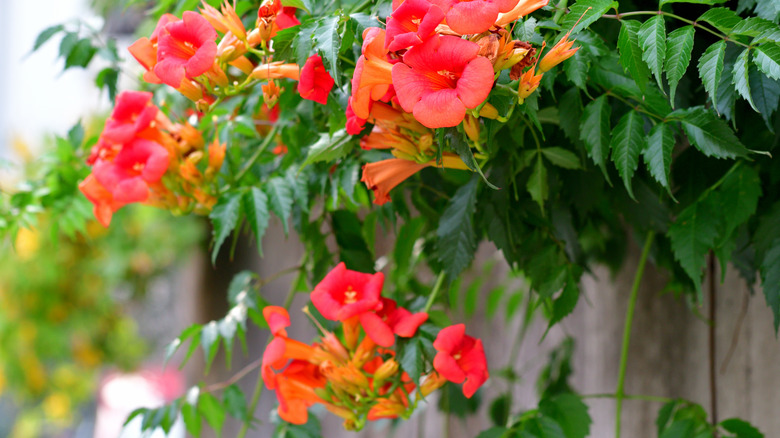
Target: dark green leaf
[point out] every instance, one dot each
(627, 143)
(741, 428)
(766, 94)
(411, 358)
(107, 78)
(493, 432)
(711, 67)
(595, 132)
(500, 409)
(457, 240)
(566, 301)
(562, 157)
(68, 43)
(576, 69)
(770, 280)
(327, 42)
(767, 58)
(753, 27)
(224, 218)
(280, 197)
(739, 196)
(213, 411)
(81, 53)
(235, 403)
(589, 10)
(463, 149)
(255, 203)
(692, 235)
(723, 19)
(631, 53)
(46, 35)
(537, 185)
(711, 135)
(569, 412)
(740, 77)
(679, 46)
(658, 154)
(652, 39)
(701, 2)
(329, 148)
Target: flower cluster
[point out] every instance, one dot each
(434, 66)
(189, 55)
(139, 146)
(355, 374)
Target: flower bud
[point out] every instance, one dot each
(384, 372)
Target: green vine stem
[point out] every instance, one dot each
(640, 270)
(259, 385)
(434, 291)
(677, 17)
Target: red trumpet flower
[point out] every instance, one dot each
(315, 82)
(186, 48)
(440, 79)
(460, 357)
(343, 293)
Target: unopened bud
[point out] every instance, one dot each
(384, 372)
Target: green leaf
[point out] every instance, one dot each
(457, 239)
(570, 111)
(569, 412)
(767, 58)
(213, 411)
(209, 340)
(631, 53)
(493, 300)
(627, 143)
(595, 132)
(192, 420)
(770, 280)
(711, 135)
(741, 428)
(711, 67)
(658, 154)
(679, 46)
(723, 19)
(235, 403)
(81, 53)
(411, 358)
(280, 196)
(255, 203)
(329, 148)
(589, 10)
(499, 410)
(562, 157)
(224, 218)
(576, 69)
(766, 94)
(692, 235)
(652, 39)
(537, 183)
(740, 77)
(327, 42)
(107, 78)
(463, 149)
(699, 2)
(493, 432)
(46, 35)
(300, 4)
(738, 195)
(566, 301)
(753, 27)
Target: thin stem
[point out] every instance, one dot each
(640, 270)
(636, 107)
(266, 142)
(361, 6)
(677, 17)
(434, 291)
(259, 385)
(650, 398)
(711, 336)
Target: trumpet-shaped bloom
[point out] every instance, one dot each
(460, 358)
(559, 53)
(104, 204)
(315, 82)
(277, 70)
(355, 124)
(411, 24)
(529, 82)
(139, 163)
(440, 79)
(295, 391)
(473, 16)
(278, 319)
(521, 9)
(344, 293)
(383, 176)
(187, 48)
(144, 50)
(373, 77)
(133, 112)
(224, 20)
(391, 320)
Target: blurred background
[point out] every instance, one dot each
(86, 312)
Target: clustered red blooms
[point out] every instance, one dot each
(189, 55)
(139, 146)
(434, 67)
(356, 375)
